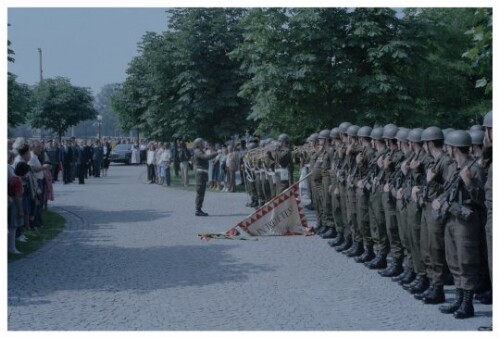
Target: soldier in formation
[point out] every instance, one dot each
(414, 204)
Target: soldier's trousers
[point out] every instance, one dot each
(404, 232)
(414, 223)
(488, 236)
(392, 230)
(376, 223)
(317, 195)
(344, 212)
(336, 208)
(259, 190)
(310, 188)
(352, 222)
(266, 188)
(462, 251)
(327, 215)
(280, 185)
(201, 179)
(436, 265)
(363, 216)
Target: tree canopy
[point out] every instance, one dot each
(58, 105)
(217, 72)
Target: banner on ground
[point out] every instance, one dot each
(281, 216)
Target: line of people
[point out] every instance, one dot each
(415, 204)
(34, 166)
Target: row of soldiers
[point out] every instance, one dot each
(268, 169)
(414, 204)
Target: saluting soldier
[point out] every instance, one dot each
(363, 239)
(339, 192)
(487, 143)
(335, 161)
(351, 202)
(324, 163)
(311, 158)
(436, 173)
(376, 213)
(464, 194)
(396, 184)
(200, 161)
(391, 160)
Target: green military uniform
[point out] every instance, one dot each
(200, 160)
(389, 207)
(376, 211)
(283, 165)
(362, 196)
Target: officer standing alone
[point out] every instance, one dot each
(200, 161)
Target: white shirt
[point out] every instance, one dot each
(34, 163)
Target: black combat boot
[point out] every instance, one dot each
(379, 262)
(436, 296)
(421, 295)
(409, 278)
(339, 240)
(394, 269)
(328, 234)
(452, 307)
(484, 297)
(401, 275)
(416, 280)
(367, 255)
(356, 250)
(345, 246)
(421, 286)
(466, 309)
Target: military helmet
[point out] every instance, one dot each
(447, 130)
(344, 126)
(402, 134)
(335, 133)
(198, 142)
(283, 137)
(432, 134)
(476, 127)
(377, 133)
(487, 120)
(313, 137)
(415, 135)
(390, 131)
(352, 130)
(458, 138)
(364, 131)
(477, 136)
(324, 133)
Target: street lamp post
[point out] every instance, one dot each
(99, 122)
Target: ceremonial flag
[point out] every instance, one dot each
(281, 216)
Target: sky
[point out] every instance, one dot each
(90, 46)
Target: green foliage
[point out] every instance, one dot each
(19, 101)
(480, 53)
(183, 84)
(58, 105)
(218, 72)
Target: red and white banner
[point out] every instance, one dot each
(281, 216)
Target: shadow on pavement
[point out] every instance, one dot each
(115, 269)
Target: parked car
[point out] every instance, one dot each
(121, 153)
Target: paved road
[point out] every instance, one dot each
(129, 259)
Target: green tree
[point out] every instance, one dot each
(183, 83)
(59, 105)
(18, 95)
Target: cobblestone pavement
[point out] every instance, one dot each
(130, 259)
